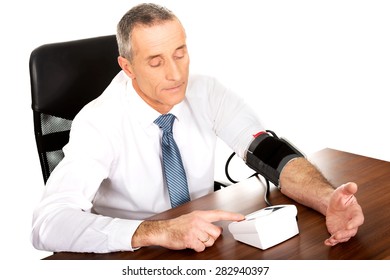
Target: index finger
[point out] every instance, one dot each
(221, 215)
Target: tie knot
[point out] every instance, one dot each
(165, 122)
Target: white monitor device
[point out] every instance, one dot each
(267, 227)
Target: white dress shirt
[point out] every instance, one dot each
(111, 177)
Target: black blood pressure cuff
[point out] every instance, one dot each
(268, 154)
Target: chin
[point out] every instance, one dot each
(176, 100)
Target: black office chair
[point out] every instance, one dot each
(64, 77)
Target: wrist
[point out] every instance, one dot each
(146, 234)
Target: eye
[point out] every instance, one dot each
(155, 62)
(180, 53)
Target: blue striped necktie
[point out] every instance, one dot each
(173, 166)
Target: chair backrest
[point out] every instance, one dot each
(64, 77)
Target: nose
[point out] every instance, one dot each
(172, 71)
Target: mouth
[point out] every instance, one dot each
(174, 89)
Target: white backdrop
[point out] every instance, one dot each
(316, 71)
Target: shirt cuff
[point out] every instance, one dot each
(122, 232)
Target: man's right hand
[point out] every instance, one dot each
(194, 230)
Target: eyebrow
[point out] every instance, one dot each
(158, 55)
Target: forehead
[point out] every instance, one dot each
(157, 39)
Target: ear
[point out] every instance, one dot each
(126, 67)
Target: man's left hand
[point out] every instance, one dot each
(344, 214)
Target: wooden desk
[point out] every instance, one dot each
(371, 242)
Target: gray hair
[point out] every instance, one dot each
(143, 14)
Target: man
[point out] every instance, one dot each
(112, 177)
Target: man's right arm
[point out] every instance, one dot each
(64, 219)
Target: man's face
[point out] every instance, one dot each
(160, 64)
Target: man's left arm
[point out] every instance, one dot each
(304, 183)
